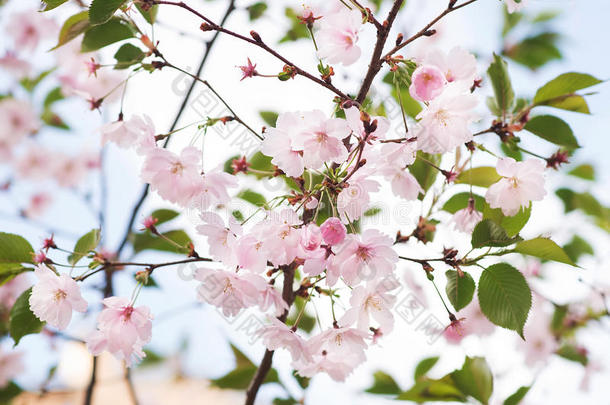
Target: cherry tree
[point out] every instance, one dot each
(399, 119)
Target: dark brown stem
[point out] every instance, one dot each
(91, 386)
(376, 61)
(265, 366)
(424, 30)
(257, 41)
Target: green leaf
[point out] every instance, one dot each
(269, 117)
(460, 201)
(52, 97)
(510, 21)
(73, 27)
(575, 103)
(54, 120)
(296, 30)
(489, 233)
(30, 83)
(460, 290)
(578, 247)
(146, 241)
(504, 296)
(99, 36)
(128, 55)
(15, 249)
(101, 11)
(483, 176)
(559, 316)
(536, 51)
(152, 359)
(240, 377)
(475, 379)
(423, 172)
(22, 320)
(425, 390)
(256, 10)
(518, 396)
(500, 80)
(164, 215)
(564, 84)
(9, 392)
(584, 171)
(84, 245)
(383, 384)
(511, 224)
(51, 4)
(570, 352)
(411, 106)
(424, 366)
(151, 15)
(552, 129)
(545, 249)
(252, 197)
(371, 212)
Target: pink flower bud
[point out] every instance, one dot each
(333, 231)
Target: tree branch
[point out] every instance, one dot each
(257, 41)
(265, 366)
(376, 60)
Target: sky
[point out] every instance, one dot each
(584, 29)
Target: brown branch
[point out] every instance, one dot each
(376, 60)
(265, 366)
(424, 30)
(257, 41)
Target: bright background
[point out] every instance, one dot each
(584, 28)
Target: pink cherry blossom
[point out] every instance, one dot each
(17, 119)
(471, 321)
(69, 171)
(280, 236)
(28, 28)
(443, 125)
(539, 343)
(372, 301)
(322, 139)
(250, 254)
(400, 154)
(176, 178)
(271, 297)
(336, 351)
(352, 116)
(221, 239)
(333, 231)
(427, 82)
(11, 365)
(54, 297)
(337, 37)
(467, 218)
(16, 66)
(138, 132)
(353, 200)
(521, 183)
(404, 184)
(34, 163)
(229, 291)
(312, 251)
(122, 329)
(458, 65)
(12, 289)
(276, 335)
(278, 144)
(212, 189)
(39, 203)
(363, 257)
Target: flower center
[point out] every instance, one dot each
(442, 116)
(373, 302)
(177, 168)
(60, 295)
(363, 253)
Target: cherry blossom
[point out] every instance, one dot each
(458, 65)
(353, 200)
(521, 183)
(39, 203)
(175, 177)
(311, 250)
(336, 351)
(278, 144)
(443, 125)
(363, 257)
(322, 139)
(372, 300)
(17, 119)
(467, 218)
(229, 291)
(18, 67)
(69, 171)
(28, 28)
(212, 189)
(221, 239)
(54, 297)
(337, 37)
(333, 231)
(276, 335)
(404, 184)
(138, 132)
(122, 329)
(34, 163)
(352, 115)
(470, 321)
(12, 289)
(515, 5)
(11, 365)
(427, 82)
